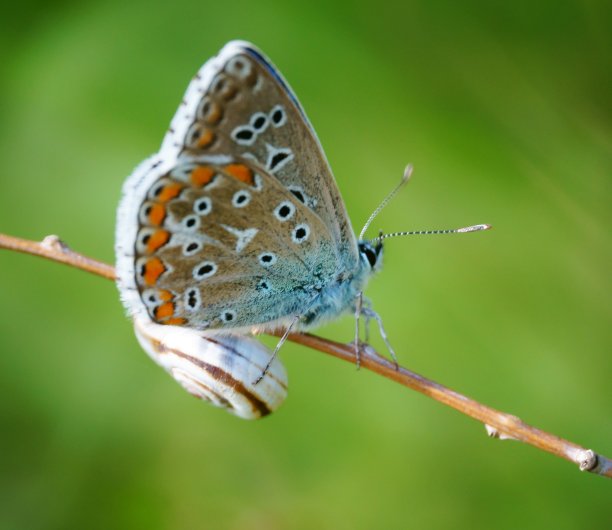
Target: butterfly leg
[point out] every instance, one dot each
(369, 313)
(278, 347)
(367, 304)
(357, 342)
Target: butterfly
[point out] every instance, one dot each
(236, 226)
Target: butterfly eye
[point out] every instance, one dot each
(370, 254)
(278, 116)
(284, 211)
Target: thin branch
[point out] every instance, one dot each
(498, 424)
(53, 248)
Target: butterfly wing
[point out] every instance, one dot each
(188, 250)
(226, 246)
(245, 107)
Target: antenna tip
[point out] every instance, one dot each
(474, 228)
(407, 173)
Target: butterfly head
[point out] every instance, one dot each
(371, 253)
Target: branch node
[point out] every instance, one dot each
(53, 242)
(587, 461)
(493, 432)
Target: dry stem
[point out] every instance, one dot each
(498, 424)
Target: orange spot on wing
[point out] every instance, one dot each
(241, 172)
(206, 139)
(153, 269)
(157, 214)
(175, 321)
(169, 192)
(202, 175)
(164, 295)
(158, 239)
(164, 311)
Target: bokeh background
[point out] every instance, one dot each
(504, 108)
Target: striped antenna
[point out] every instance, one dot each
(473, 228)
(405, 178)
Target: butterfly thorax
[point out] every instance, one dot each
(339, 296)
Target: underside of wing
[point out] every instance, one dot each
(240, 105)
(226, 246)
(237, 221)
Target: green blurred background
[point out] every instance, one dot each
(504, 108)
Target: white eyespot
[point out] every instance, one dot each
(158, 187)
(192, 299)
(204, 270)
(300, 233)
(202, 206)
(192, 248)
(145, 211)
(278, 116)
(238, 66)
(244, 135)
(221, 84)
(143, 239)
(241, 199)
(208, 111)
(266, 259)
(198, 136)
(203, 107)
(259, 122)
(228, 315)
(191, 222)
(150, 298)
(278, 157)
(284, 211)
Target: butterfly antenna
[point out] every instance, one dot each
(473, 228)
(405, 178)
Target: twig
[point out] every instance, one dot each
(53, 248)
(498, 424)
